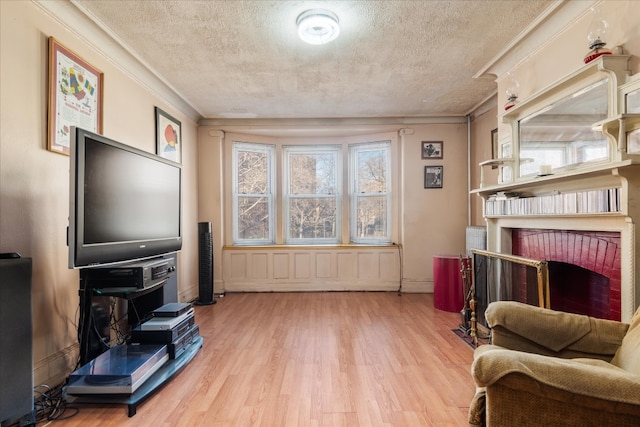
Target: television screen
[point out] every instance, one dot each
(124, 202)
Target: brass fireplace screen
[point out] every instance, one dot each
(500, 277)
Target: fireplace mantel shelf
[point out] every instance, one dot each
(529, 204)
(610, 169)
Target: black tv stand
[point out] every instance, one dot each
(147, 298)
(125, 281)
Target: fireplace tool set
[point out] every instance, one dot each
(468, 312)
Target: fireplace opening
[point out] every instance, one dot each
(574, 289)
(595, 251)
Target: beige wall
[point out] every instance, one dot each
(433, 220)
(34, 182)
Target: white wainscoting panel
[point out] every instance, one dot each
(290, 268)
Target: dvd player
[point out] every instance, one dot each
(138, 275)
(180, 345)
(172, 309)
(165, 323)
(161, 336)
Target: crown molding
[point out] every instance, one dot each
(87, 28)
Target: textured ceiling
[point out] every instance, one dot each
(243, 59)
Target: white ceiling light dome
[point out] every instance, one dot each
(318, 26)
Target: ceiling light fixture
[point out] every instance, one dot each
(318, 26)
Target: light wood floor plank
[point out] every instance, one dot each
(313, 359)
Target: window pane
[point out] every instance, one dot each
(312, 173)
(253, 218)
(312, 218)
(370, 193)
(371, 166)
(253, 172)
(372, 217)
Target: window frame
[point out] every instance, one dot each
(354, 150)
(270, 195)
(277, 215)
(288, 150)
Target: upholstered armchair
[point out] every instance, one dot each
(549, 368)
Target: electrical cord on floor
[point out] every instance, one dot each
(401, 272)
(49, 404)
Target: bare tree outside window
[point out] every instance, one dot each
(312, 194)
(253, 193)
(371, 192)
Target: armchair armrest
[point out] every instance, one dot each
(524, 327)
(588, 377)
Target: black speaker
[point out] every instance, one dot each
(205, 264)
(16, 359)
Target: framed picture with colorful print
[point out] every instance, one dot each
(75, 97)
(168, 136)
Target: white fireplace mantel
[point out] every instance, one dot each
(603, 196)
(625, 177)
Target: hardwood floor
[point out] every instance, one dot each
(313, 359)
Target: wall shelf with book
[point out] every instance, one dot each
(570, 203)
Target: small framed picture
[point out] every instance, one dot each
(494, 146)
(168, 136)
(433, 176)
(432, 149)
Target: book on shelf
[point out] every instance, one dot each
(580, 202)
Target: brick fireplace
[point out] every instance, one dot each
(584, 268)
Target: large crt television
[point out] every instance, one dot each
(124, 203)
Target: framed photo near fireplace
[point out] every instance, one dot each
(75, 97)
(494, 146)
(168, 136)
(433, 176)
(432, 149)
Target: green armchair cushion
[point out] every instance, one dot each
(517, 317)
(554, 333)
(589, 377)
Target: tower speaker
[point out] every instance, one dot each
(205, 264)
(16, 360)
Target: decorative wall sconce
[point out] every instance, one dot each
(596, 35)
(512, 91)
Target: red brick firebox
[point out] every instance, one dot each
(598, 252)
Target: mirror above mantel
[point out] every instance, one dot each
(578, 123)
(561, 135)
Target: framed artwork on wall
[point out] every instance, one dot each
(433, 176)
(432, 149)
(168, 136)
(494, 146)
(75, 97)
